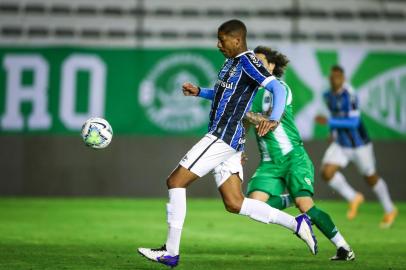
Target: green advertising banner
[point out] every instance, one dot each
(54, 90)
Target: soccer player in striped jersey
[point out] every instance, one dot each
(220, 149)
(284, 161)
(351, 143)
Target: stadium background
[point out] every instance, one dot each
(65, 61)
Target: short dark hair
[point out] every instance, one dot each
(338, 68)
(233, 26)
(272, 56)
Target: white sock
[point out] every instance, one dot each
(339, 241)
(381, 191)
(264, 213)
(339, 184)
(176, 213)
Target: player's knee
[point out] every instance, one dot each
(233, 206)
(303, 208)
(259, 195)
(170, 182)
(304, 204)
(178, 179)
(173, 182)
(327, 173)
(372, 179)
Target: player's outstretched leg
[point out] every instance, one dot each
(168, 254)
(235, 202)
(381, 191)
(337, 181)
(326, 225)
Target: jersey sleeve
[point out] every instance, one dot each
(350, 112)
(350, 104)
(345, 122)
(353, 104)
(256, 106)
(253, 67)
(279, 96)
(206, 93)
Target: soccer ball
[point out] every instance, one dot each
(97, 133)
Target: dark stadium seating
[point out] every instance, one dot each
(125, 23)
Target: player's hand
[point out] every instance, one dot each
(265, 126)
(190, 89)
(321, 119)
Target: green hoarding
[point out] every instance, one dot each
(54, 90)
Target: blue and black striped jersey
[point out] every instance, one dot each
(345, 121)
(236, 86)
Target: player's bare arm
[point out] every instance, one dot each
(261, 122)
(254, 118)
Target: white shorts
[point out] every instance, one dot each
(213, 154)
(363, 157)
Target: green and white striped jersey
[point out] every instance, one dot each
(285, 138)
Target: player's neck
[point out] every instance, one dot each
(240, 51)
(337, 91)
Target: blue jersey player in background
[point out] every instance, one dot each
(219, 151)
(351, 144)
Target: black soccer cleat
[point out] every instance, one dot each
(343, 255)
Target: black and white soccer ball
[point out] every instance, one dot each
(97, 133)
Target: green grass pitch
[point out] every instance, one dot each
(104, 234)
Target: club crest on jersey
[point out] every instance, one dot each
(267, 99)
(308, 181)
(232, 71)
(267, 102)
(161, 97)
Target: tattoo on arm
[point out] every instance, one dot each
(255, 118)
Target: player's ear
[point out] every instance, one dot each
(237, 41)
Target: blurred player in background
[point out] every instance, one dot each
(351, 144)
(220, 149)
(284, 161)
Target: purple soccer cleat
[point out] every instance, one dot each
(159, 255)
(305, 232)
(168, 260)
